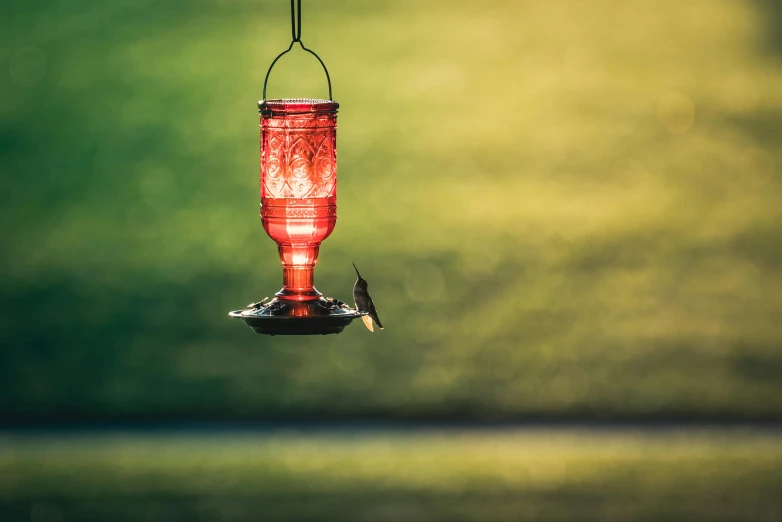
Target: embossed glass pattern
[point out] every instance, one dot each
(298, 186)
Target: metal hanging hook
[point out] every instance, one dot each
(296, 38)
(295, 23)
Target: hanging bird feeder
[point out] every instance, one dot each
(298, 206)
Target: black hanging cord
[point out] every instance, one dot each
(296, 38)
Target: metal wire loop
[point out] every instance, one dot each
(296, 38)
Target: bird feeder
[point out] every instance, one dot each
(298, 207)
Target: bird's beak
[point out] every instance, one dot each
(354, 266)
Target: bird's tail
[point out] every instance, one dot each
(377, 320)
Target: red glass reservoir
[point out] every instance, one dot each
(298, 186)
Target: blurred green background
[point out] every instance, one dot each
(563, 209)
(566, 211)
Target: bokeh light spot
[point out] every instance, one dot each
(676, 112)
(27, 66)
(757, 167)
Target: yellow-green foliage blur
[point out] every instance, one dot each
(423, 476)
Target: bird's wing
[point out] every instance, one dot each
(367, 322)
(373, 313)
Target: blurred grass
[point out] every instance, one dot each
(378, 475)
(543, 233)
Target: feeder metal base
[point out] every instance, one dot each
(282, 317)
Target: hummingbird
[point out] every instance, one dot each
(364, 302)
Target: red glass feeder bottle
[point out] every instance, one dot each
(298, 210)
(298, 186)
